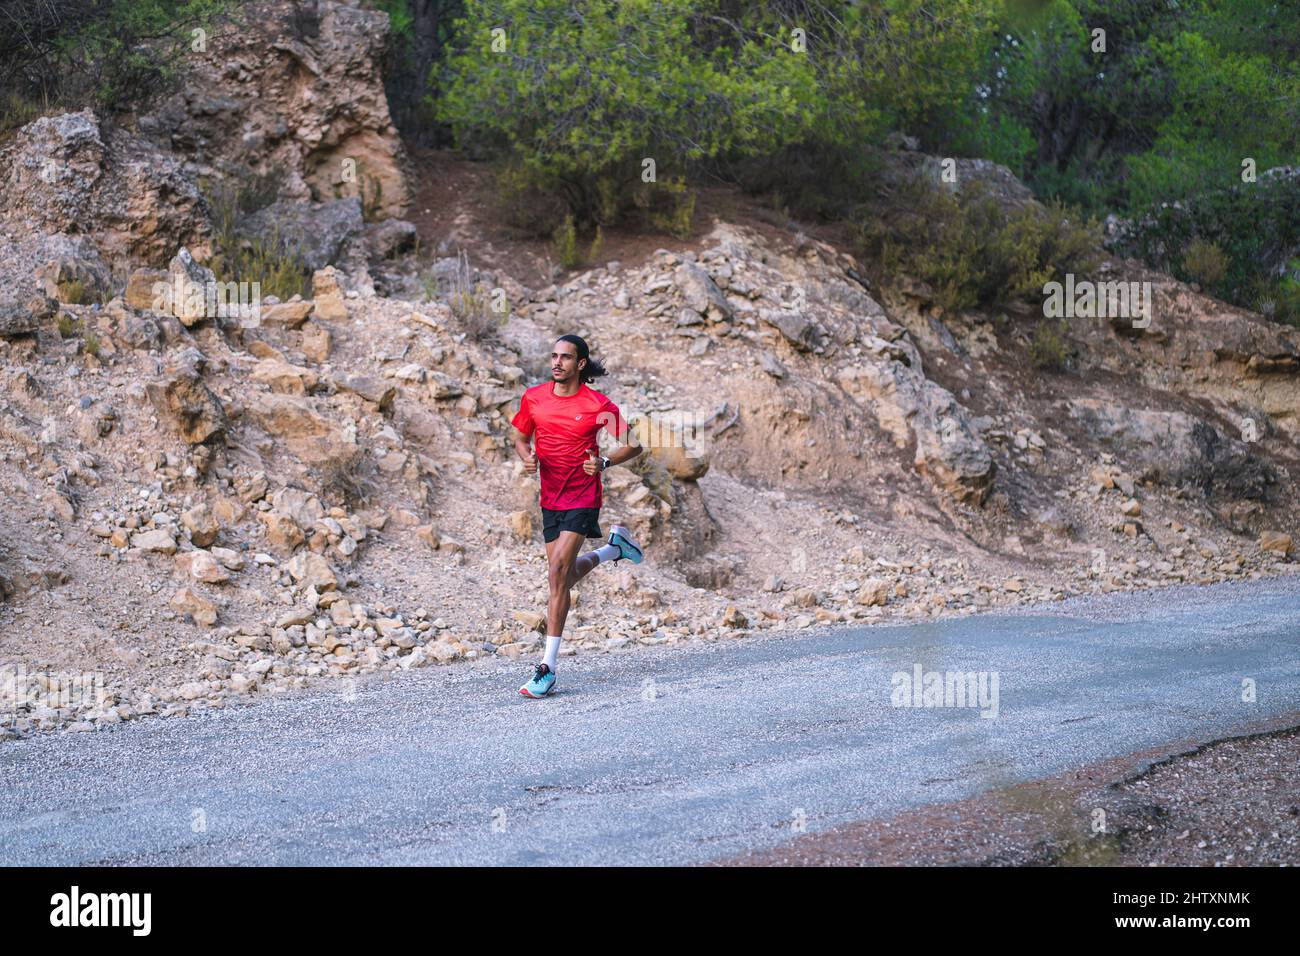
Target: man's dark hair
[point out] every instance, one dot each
(593, 369)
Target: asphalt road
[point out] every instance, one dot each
(657, 756)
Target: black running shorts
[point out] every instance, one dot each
(580, 520)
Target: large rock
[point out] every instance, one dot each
(146, 290)
(949, 448)
(874, 592)
(291, 315)
(202, 525)
(681, 455)
(302, 506)
(700, 292)
(80, 280)
(313, 438)
(379, 391)
(800, 329)
(311, 570)
(329, 302)
(156, 539)
(302, 88)
(392, 238)
(22, 317)
(1278, 541)
(67, 174)
(280, 376)
(189, 602)
(190, 406)
(1175, 448)
(190, 286)
(282, 533)
(318, 232)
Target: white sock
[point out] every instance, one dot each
(552, 650)
(606, 553)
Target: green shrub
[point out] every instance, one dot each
(526, 206)
(269, 259)
(1205, 262)
(585, 91)
(110, 54)
(67, 325)
(471, 303)
(821, 183)
(1255, 226)
(565, 248)
(1279, 299)
(564, 243)
(16, 110)
(75, 292)
(668, 206)
(972, 250)
(1047, 349)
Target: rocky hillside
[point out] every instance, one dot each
(203, 508)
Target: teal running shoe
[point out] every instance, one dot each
(621, 538)
(543, 682)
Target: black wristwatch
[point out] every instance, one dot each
(604, 462)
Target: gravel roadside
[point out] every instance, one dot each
(1230, 802)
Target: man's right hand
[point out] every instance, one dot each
(530, 463)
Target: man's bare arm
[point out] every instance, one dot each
(524, 449)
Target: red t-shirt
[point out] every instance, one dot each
(566, 427)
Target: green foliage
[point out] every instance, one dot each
(564, 243)
(400, 20)
(1205, 262)
(1257, 227)
(1047, 349)
(584, 91)
(70, 326)
(1279, 298)
(472, 303)
(668, 206)
(269, 259)
(113, 54)
(17, 111)
(886, 64)
(825, 182)
(972, 250)
(75, 292)
(1223, 108)
(419, 32)
(1177, 97)
(1058, 112)
(524, 205)
(1180, 96)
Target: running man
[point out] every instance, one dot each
(564, 416)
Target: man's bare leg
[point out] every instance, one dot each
(563, 572)
(582, 566)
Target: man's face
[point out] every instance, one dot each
(565, 363)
